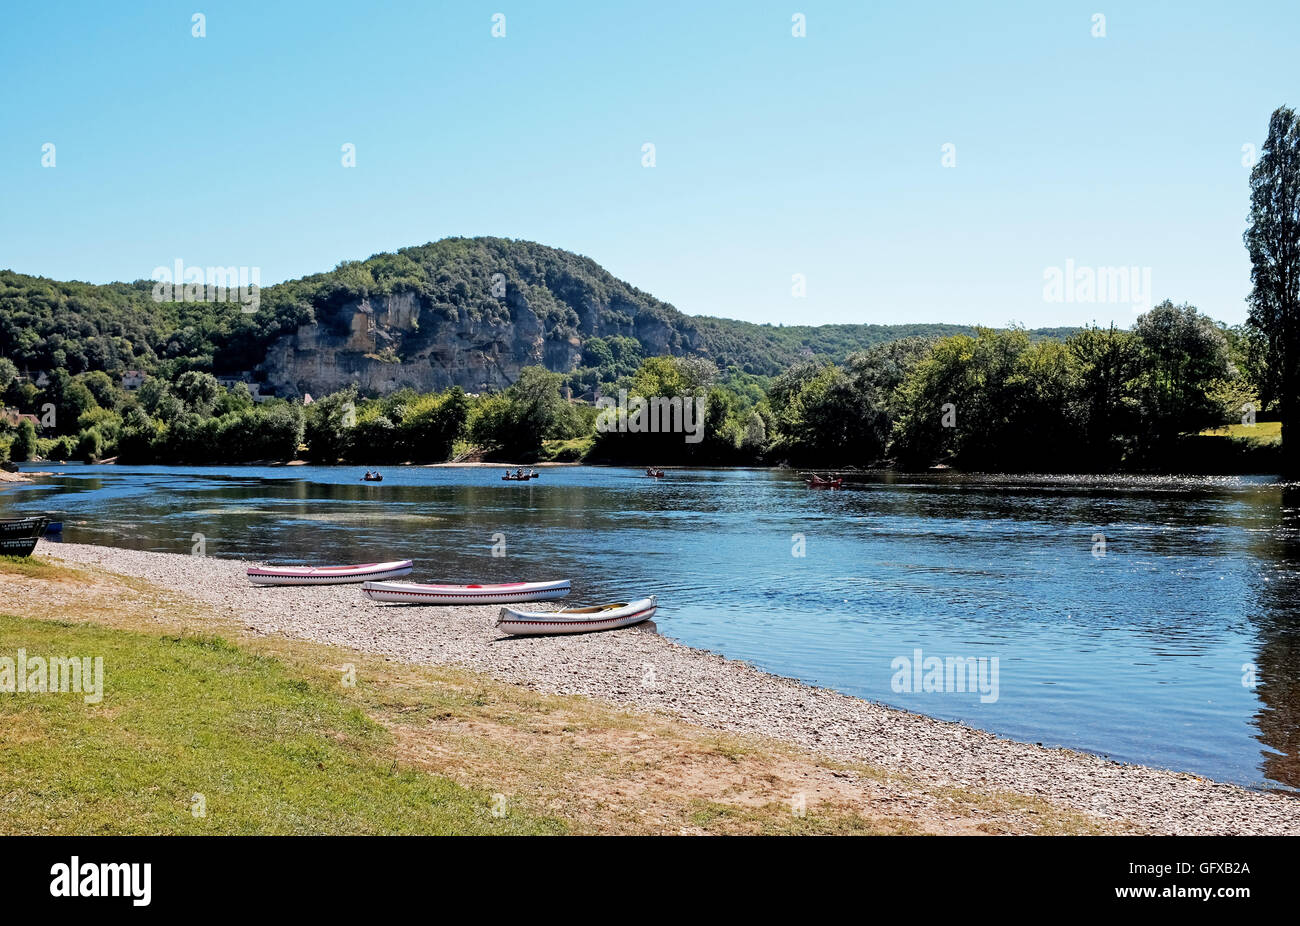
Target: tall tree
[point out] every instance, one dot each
(1273, 240)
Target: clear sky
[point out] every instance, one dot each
(774, 155)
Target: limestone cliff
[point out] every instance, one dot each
(470, 317)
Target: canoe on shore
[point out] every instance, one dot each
(575, 620)
(327, 575)
(508, 593)
(23, 528)
(17, 546)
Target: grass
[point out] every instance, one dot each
(266, 730)
(1263, 432)
(186, 719)
(566, 451)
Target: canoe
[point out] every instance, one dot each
(575, 620)
(508, 593)
(17, 546)
(372, 478)
(521, 478)
(824, 483)
(22, 528)
(327, 575)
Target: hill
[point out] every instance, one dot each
(461, 311)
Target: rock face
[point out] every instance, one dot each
(390, 342)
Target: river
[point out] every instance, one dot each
(1152, 620)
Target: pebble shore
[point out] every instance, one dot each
(644, 670)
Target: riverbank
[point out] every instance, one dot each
(656, 677)
(251, 732)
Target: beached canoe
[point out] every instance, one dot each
(327, 575)
(575, 620)
(17, 546)
(22, 528)
(509, 593)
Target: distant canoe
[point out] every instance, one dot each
(327, 575)
(372, 478)
(824, 483)
(575, 620)
(508, 593)
(523, 478)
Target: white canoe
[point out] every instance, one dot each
(575, 620)
(327, 575)
(509, 593)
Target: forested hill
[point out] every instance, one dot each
(460, 311)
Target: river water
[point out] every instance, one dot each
(1151, 620)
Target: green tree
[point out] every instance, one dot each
(1108, 360)
(1273, 241)
(24, 444)
(1183, 354)
(199, 391)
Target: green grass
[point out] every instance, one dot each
(272, 751)
(566, 451)
(1263, 432)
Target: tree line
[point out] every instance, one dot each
(1100, 399)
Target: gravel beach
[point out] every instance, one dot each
(641, 669)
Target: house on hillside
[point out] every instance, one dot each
(132, 380)
(13, 418)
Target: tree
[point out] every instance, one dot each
(24, 445)
(198, 391)
(1107, 360)
(8, 373)
(1273, 240)
(1183, 353)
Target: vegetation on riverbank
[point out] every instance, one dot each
(266, 730)
(1099, 400)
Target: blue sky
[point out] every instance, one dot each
(774, 155)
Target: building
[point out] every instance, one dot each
(13, 418)
(132, 380)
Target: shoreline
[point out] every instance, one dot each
(647, 672)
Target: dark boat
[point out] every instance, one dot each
(17, 546)
(375, 478)
(22, 528)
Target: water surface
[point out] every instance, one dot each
(1139, 654)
